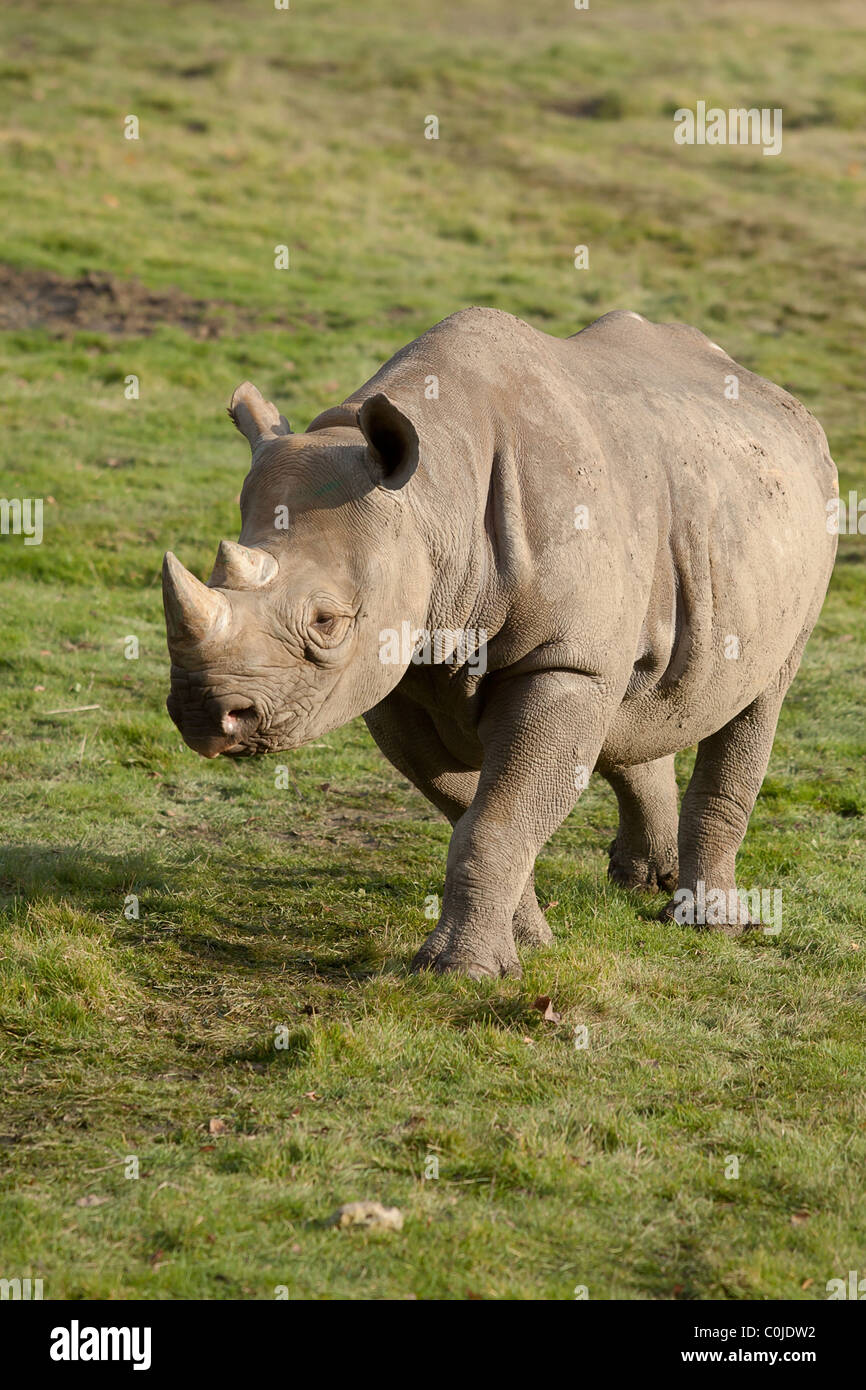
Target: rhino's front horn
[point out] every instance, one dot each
(192, 610)
(239, 567)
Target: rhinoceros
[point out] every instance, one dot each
(631, 527)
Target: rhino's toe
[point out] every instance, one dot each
(422, 960)
(454, 961)
(531, 927)
(473, 969)
(673, 912)
(658, 873)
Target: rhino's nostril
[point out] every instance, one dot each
(236, 721)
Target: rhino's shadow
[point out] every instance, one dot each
(264, 937)
(87, 880)
(315, 921)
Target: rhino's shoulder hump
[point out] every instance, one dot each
(613, 324)
(626, 323)
(476, 322)
(479, 316)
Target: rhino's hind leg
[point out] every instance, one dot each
(718, 802)
(644, 853)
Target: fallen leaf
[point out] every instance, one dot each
(216, 1126)
(807, 1283)
(368, 1214)
(91, 1200)
(545, 1008)
(799, 1218)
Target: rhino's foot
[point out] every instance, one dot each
(732, 920)
(652, 874)
(530, 926)
(446, 952)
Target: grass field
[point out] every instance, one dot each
(262, 908)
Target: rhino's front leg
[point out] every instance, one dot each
(409, 739)
(541, 735)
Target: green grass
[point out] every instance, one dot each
(261, 908)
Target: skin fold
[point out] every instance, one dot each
(636, 523)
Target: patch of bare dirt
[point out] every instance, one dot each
(100, 303)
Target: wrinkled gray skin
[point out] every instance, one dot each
(609, 646)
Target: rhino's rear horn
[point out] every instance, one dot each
(239, 567)
(193, 612)
(255, 417)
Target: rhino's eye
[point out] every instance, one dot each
(326, 624)
(326, 628)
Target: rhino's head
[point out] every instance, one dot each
(282, 643)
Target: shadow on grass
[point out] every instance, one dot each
(293, 920)
(55, 871)
(501, 1013)
(308, 922)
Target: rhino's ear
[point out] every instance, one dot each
(255, 417)
(392, 438)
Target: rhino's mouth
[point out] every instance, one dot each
(238, 750)
(216, 725)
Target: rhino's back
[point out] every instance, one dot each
(741, 458)
(659, 365)
(631, 382)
